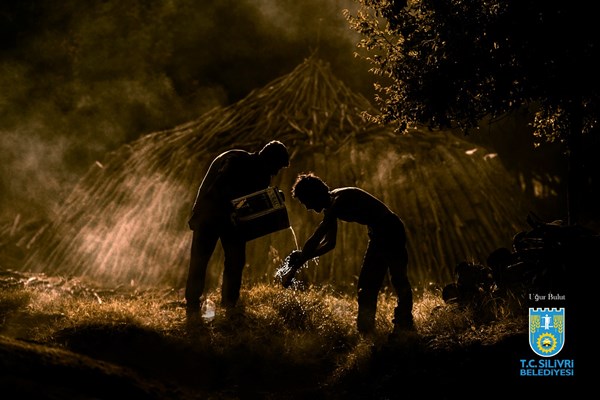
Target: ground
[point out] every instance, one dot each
(63, 339)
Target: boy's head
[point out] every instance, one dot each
(311, 191)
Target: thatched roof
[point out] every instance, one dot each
(126, 219)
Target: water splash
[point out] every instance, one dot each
(295, 238)
(287, 271)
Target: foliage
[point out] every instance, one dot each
(453, 62)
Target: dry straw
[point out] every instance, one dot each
(126, 220)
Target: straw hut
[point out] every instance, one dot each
(126, 220)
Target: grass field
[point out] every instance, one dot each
(68, 339)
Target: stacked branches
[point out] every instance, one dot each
(126, 220)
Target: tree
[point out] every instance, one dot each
(451, 63)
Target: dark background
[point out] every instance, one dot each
(79, 79)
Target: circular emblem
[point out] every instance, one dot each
(546, 343)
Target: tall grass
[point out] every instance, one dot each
(277, 340)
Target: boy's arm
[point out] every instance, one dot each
(322, 240)
(319, 243)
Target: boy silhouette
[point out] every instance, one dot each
(386, 250)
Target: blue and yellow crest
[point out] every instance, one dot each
(546, 330)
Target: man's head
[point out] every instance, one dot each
(275, 156)
(311, 191)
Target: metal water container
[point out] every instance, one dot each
(260, 213)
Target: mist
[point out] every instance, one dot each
(80, 79)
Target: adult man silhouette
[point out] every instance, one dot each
(232, 174)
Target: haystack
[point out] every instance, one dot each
(126, 220)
